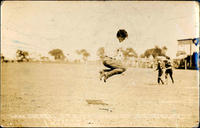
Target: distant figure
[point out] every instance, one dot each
(168, 69)
(113, 61)
(160, 72)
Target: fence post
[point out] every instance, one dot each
(185, 64)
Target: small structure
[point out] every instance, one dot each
(189, 47)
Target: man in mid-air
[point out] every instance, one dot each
(114, 62)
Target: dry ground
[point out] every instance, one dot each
(72, 95)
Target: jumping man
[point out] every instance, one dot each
(114, 63)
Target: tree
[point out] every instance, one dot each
(156, 51)
(22, 55)
(58, 54)
(164, 50)
(101, 53)
(129, 52)
(44, 58)
(142, 56)
(84, 54)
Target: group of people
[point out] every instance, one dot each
(115, 67)
(113, 62)
(167, 66)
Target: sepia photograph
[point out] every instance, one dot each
(100, 64)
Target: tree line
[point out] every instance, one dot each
(57, 54)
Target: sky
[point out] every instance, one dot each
(40, 26)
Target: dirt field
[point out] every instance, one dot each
(72, 95)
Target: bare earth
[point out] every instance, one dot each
(72, 95)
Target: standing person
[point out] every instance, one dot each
(168, 69)
(160, 72)
(114, 61)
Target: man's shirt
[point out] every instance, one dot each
(114, 50)
(168, 64)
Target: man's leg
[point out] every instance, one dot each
(114, 72)
(115, 66)
(160, 76)
(158, 80)
(102, 73)
(166, 79)
(161, 80)
(109, 68)
(170, 74)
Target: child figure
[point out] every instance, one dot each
(160, 72)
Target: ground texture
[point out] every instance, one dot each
(34, 94)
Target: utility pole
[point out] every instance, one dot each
(190, 54)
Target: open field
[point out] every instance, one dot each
(72, 95)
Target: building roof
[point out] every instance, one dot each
(187, 39)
